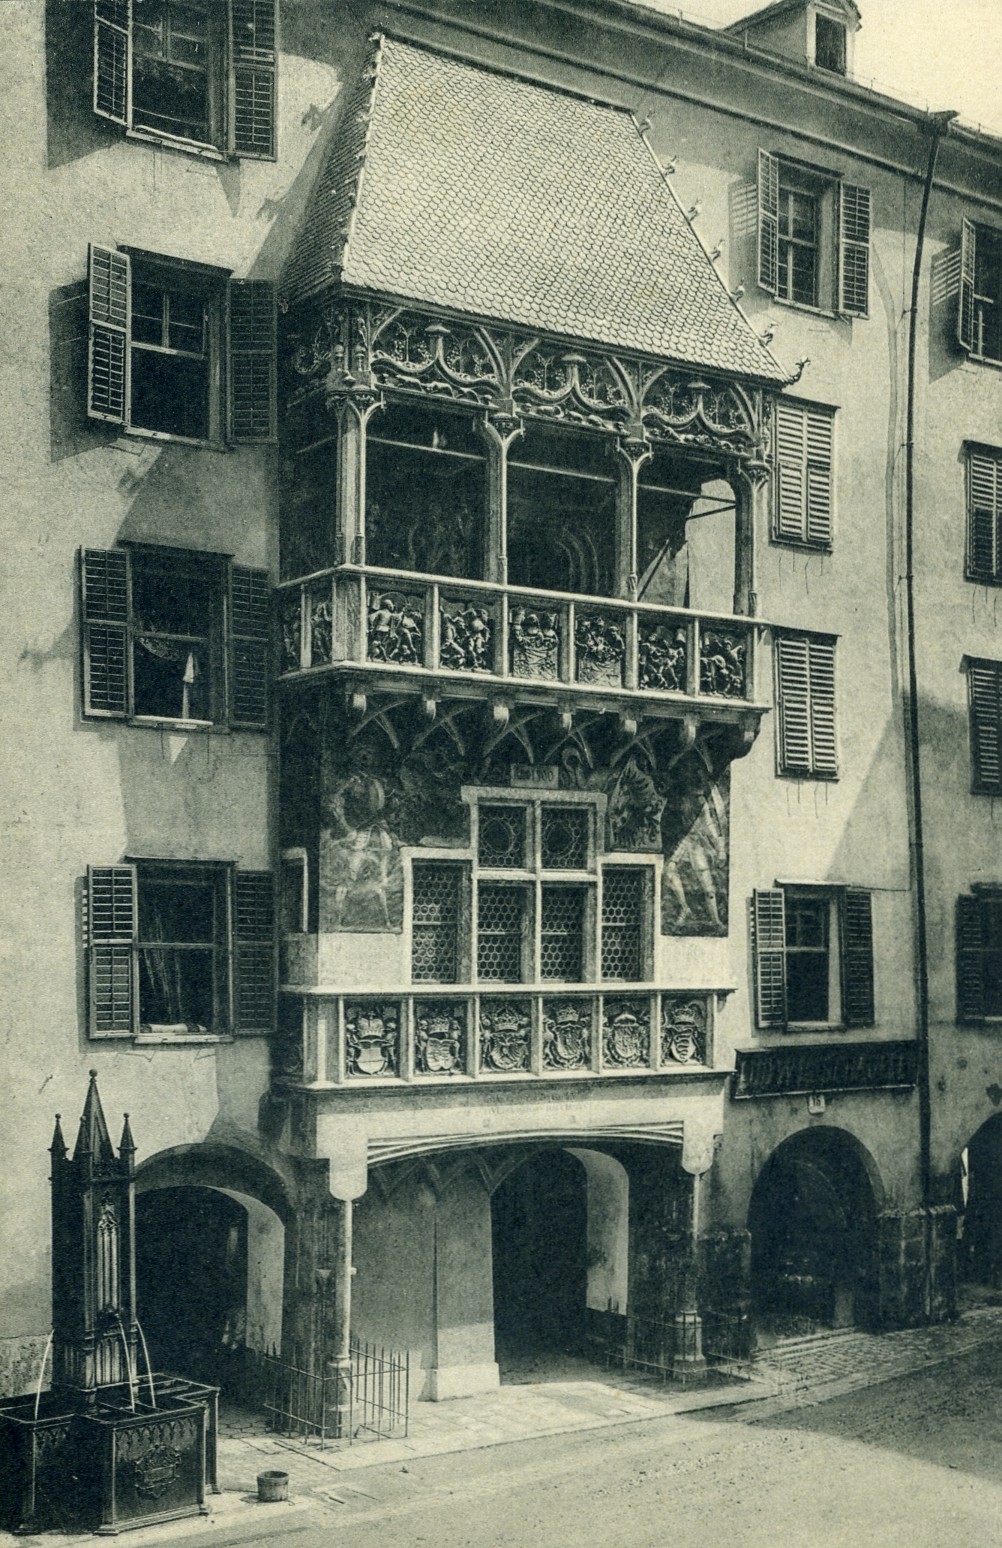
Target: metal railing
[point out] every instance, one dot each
(396, 623)
(369, 1401)
(490, 1034)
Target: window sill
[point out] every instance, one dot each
(807, 774)
(821, 1028)
(163, 1037)
(801, 545)
(984, 360)
(138, 433)
(177, 142)
(168, 723)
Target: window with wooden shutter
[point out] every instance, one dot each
(979, 957)
(857, 958)
(769, 941)
(250, 595)
(854, 250)
(984, 681)
(198, 74)
(111, 936)
(109, 309)
(254, 950)
(251, 370)
(156, 624)
(803, 437)
(979, 317)
(968, 265)
(805, 691)
(104, 605)
(253, 59)
(984, 516)
(768, 221)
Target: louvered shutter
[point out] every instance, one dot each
(793, 690)
(769, 925)
(985, 689)
(791, 493)
(110, 305)
(968, 261)
(768, 222)
(984, 507)
(854, 250)
(254, 941)
(970, 960)
(857, 958)
(818, 428)
(251, 364)
(250, 594)
(113, 60)
(821, 659)
(104, 609)
(111, 935)
(253, 77)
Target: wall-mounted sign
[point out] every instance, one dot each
(543, 777)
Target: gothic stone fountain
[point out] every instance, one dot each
(106, 1447)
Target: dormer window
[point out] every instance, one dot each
(829, 45)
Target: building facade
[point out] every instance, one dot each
(489, 788)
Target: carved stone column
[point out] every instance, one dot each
(750, 482)
(353, 408)
(501, 427)
(633, 451)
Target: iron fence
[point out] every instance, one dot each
(368, 1400)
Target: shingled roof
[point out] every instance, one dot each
(482, 193)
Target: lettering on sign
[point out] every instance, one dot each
(545, 777)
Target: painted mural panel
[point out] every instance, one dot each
(695, 834)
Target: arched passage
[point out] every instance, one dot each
(210, 1265)
(980, 1207)
(539, 1232)
(813, 1224)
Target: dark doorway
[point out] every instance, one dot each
(814, 1237)
(539, 1219)
(191, 1282)
(980, 1246)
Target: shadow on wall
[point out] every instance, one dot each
(742, 220)
(72, 128)
(70, 431)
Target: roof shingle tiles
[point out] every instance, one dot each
(486, 194)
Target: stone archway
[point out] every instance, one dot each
(814, 1235)
(539, 1239)
(210, 1263)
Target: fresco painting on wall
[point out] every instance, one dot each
(695, 833)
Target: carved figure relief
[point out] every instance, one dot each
(567, 1034)
(634, 812)
(466, 642)
(723, 662)
(695, 836)
(395, 628)
(292, 632)
(505, 1028)
(600, 646)
(663, 657)
(371, 1033)
(535, 643)
(439, 1039)
(321, 628)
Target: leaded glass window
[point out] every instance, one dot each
(565, 833)
(561, 943)
(502, 833)
(623, 921)
(435, 928)
(502, 927)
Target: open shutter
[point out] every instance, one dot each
(970, 960)
(985, 688)
(113, 60)
(254, 940)
(819, 425)
(253, 77)
(984, 506)
(250, 594)
(968, 261)
(857, 958)
(104, 609)
(854, 250)
(821, 656)
(111, 935)
(110, 306)
(768, 222)
(251, 365)
(793, 690)
(769, 924)
(790, 463)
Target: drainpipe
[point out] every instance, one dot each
(938, 125)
